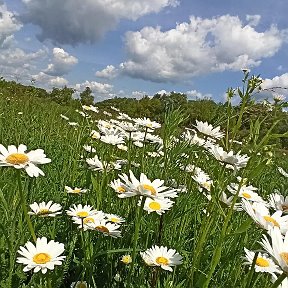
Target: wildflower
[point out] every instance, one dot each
(122, 147)
(282, 172)
(159, 206)
(209, 130)
(278, 248)
(107, 228)
(107, 113)
(64, 117)
(95, 135)
(112, 139)
(85, 223)
(123, 116)
(114, 108)
(44, 210)
(146, 122)
(261, 215)
(162, 257)
(76, 190)
(263, 262)
(89, 148)
(202, 179)
(73, 123)
(43, 256)
(122, 189)
(79, 284)
(246, 192)
(81, 212)
(192, 138)
(126, 259)
(278, 202)
(114, 218)
(19, 159)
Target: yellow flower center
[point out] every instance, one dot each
(271, 220)
(88, 220)
(162, 261)
(41, 258)
(149, 188)
(82, 214)
(82, 285)
(43, 212)
(17, 158)
(115, 220)
(262, 262)
(77, 190)
(102, 229)
(126, 259)
(284, 256)
(121, 189)
(206, 185)
(246, 195)
(154, 205)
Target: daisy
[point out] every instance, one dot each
(126, 259)
(75, 190)
(42, 257)
(79, 284)
(159, 206)
(228, 202)
(112, 139)
(84, 223)
(209, 130)
(278, 248)
(107, 228)
(236, 160)
(282, 172)
(95, 164)
(162, 257)
(95, 135)
(263, 262)
(123, 116)
(64, 117)
(81, 212)
(89, 148)
(107, 113)
(122, 147)
(121, 189)
(19, 159)
(114, 218)
(203, 180)
(261, 215)
(192, 138)
(246, 192)
(43, 210)
(73, 124)
(127, 126)
(278, 202)
(114, 108)
(146, 122)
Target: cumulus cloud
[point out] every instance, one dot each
(48, 81)
(194, 94)
(61, 64)
(199, 47)
(75, 21)
(8, 26)
(96, 87)
(109, 72)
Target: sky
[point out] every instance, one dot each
(131, 48)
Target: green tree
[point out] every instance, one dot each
(86, 96)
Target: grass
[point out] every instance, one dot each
(211, 244)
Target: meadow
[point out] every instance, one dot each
(207, 192)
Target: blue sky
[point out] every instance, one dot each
(135, 47)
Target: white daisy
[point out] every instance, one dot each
(192, 138)
(146, 122)
(114, 218)
(85, 223)
(107, 228)
(112, 139)
(209, 130)
(123, 116)
(126, 259)
(282, 172)
(263, 262)
(246, 192)
(278, 248)
(114, 108)
(122, 147)
(64, 117)
(73, 124)
(203, 180)
(278, 202)
(81, 212)
(162, 257)
(89, 148)
(44, 210)
(19, 159)
(121, 189)
(75, 190)
(95, 135)
(107, 113)
(42, 257)
(79, 284)
(159, 206)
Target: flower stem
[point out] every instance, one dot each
(24, 207)
(279, 280)
(136, 236)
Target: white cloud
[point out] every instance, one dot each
(253, 20)
(196, 48)
(194, 94)
(8, 25)
(76, 21)
(109, 72)
(48, 81)
(61, 64)
(96, 87)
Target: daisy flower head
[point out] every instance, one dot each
(121, 189)
(42, 256)
(106, 228)
(278, 202)
(245, 192)
(79, 284)
(277, 248)
(159, 206)
(86, 222)
(75, 190)
(114, 218)
(209, 130)
(20, 159)
(95, 134)
(113, 139)
(64, 117)
(263, 262)
(80, 211)
(282, 171)
(261, 215)
(45, 210)
(114, 108)
(147, 123)
(126, 259)
(161, 257)
(89, 148)
(192, 137)
(203, 180)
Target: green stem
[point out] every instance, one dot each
(136, 236)
(279, 280)
(24, 206)
(48, 282)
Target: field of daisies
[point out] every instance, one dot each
(94, 198)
